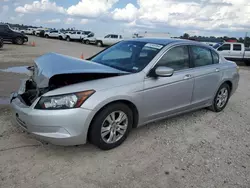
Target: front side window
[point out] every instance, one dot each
(201, 56)
(78, 33)
(176, 58)
(107, 36)
(224, 47)
(129, 56)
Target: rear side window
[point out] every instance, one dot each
(78, 33)
(216, 58)
(201, 56)
(176, 58)
(237, 47)
(224, 47)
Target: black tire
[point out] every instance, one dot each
(87, 42)
(1, 43)
(214, 107)
(99, 43)
(247, 63)
(46, 36)
(60, 38)
(95, 129)
(68, 38)
(19, 41)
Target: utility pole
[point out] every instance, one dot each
(245, 39)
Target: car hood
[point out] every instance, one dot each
(52, 64)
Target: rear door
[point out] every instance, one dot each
(225, 50)
(206, 72)
(237, 51)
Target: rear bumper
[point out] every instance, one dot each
(60, 127)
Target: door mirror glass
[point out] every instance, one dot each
(164, 71)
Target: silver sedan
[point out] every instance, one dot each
(68, 101)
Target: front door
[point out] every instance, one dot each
(168, 95)
(225, 50)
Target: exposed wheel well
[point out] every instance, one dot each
(230, 84)
(126, 102)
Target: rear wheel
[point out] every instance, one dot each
(1, 43)
(111, 126)
(247, 63)
(47, 36)
(19, 41)
(221, 98)
(60, 38)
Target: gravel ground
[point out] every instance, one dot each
(198, 149)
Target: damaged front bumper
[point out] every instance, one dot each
(60, 127)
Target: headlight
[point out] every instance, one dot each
(67, 101)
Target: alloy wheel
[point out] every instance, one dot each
(222, 97)
(114, 127)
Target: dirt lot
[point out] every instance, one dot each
(198, 149)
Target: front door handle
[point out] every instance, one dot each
(217, 70)
(186, 77)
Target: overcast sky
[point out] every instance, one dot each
(196, 17)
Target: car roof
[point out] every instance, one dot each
(166, 41)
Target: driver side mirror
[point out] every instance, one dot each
(162, 71)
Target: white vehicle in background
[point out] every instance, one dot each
(77, 35)
(108, 40)
(38, 31)
(29, 31)
(55, 34)
(235, 52)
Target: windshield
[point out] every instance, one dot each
(129, 56)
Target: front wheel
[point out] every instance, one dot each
(111, 126)
(47, 36)
(68, 39)
(99, 43)
(87, 42)
(221, 98)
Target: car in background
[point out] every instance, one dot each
(7, 34)
(77, 35)
(1, 42)
(132, 83)
(235, 51)
(55, 34)
(108, 40)
(29, 31)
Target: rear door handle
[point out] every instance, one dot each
(186, 77)
(217, 70)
